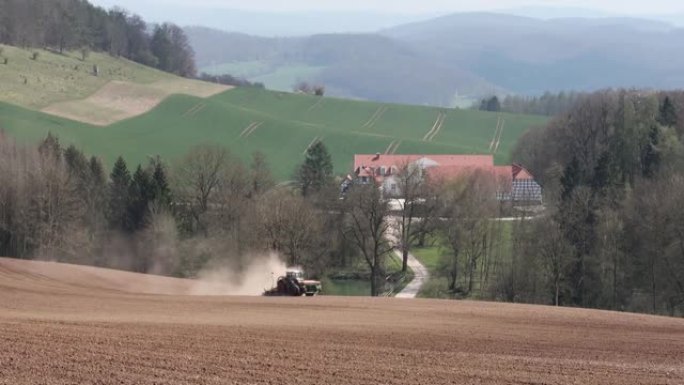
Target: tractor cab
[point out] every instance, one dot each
(297, 274)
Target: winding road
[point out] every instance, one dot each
(420, 272)
(420, 276)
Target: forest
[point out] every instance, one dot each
(612, 235)
(69, 25)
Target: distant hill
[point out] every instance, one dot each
(458, 58)
(363, 66)
(528, 55)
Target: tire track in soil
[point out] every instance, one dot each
(376, 117)
(439, 127)
(388, 150)
(496, 133)
(315, 105)
(498, 140)
(192, 111)
(396, 147)
(441, 117)
(249, 130)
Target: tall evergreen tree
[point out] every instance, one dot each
(317, 169)
(668, 113)
(140, 194)
(77, 164)
(50, 147)
(97, 171)
(118, 196)
(650, 157)
(161, 192)
(493, 104)
(570, 179)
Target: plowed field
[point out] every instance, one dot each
(61, 324)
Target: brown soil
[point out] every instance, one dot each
(62, 324)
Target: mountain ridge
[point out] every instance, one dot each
(460, 57)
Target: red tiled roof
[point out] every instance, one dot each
(519, 172)
(445, 167)
(373, 160)
(452, 172)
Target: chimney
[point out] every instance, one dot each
(377, 156)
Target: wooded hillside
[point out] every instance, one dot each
(63, 25)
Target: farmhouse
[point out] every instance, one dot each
(513, 183)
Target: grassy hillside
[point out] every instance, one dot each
(53, 78)
(66, 85)
(286, 124)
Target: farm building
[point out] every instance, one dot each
(513, 183)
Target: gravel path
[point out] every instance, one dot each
(420, 276)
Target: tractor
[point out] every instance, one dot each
(293, 284)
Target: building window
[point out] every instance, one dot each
(364, 179)
(393, 187)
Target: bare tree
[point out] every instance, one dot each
(469, 204)
(409, 182)
(303, 87)
(418, 205)
(367, 227)
(199, 177)
(290, 225)
(656, 238)
(555, 253)
(158, 243)
(260, 173)
(40, 210)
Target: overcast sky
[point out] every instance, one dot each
(635, 7)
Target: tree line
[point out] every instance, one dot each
(548, 104)
(63, 25)
(207, 208)
(229, 80)
(612, 236)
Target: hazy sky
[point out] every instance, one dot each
(636, 7)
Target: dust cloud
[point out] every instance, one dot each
(261, 274)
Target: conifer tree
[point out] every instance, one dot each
(118, 190)
(140, 194)
(668, 114)
(317, 169)
(161, 192)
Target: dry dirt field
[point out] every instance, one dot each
(119, 100)
(62, 324)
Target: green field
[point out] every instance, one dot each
(346, 287)
(289, 124)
